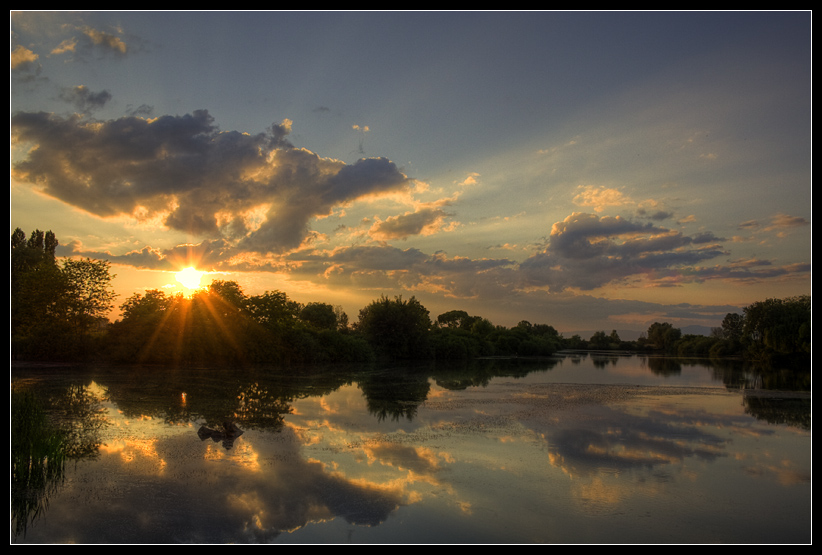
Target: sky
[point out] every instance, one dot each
(586, 170)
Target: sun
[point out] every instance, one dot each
(190, 277)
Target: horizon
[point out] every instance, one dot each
(585, 170)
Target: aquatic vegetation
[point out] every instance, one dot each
(37, 459)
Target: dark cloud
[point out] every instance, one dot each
(357, 259)
(658, 216)
(24, 67)
(614, 439)
(411, 223)
(785, 221)
(706, 237)
(747, 273)
(207, 255)
(141, 110)
(386, 267)
(257, 194)
(202, 180)
(750, 224)
(587, 251)
(83, 99)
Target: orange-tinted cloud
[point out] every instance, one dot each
(204, 181)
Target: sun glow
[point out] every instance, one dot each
(190, 277)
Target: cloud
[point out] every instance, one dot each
(424, 221)
(86, 41)
(205, 255)
(750, 224)
(83, 99)
(385, 267)
(106, 42)
(658, 215)
(784, 221)
(600, 198)
(68, 45)
(22, 59)
(470, 180)
(199, 179)
(777, 223)
(141, 110)
(587, 251)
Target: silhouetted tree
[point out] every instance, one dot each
(454, 319)
(598, 341)
(90, 295)
(274, 310)
(663, 336)
(54, 308)
(396, 328)
(319, 315)
(230, 292)
(781, 326)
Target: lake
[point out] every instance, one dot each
(579, 448)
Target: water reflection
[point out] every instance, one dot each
(494, 451)
(38, 455)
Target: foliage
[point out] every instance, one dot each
(396, 328)
(223, 325)
(598, 341)
(56, 310)
(36, 285)
(456, 319)
(273, 310)
(663, 335)
(732, 326)
(778, 326)
(319, 315)
(458, 344)
(691, 345)
(230, 292)
(88, 290)
(37, 459)
(525, 339)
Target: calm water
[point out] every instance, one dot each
(580, 449)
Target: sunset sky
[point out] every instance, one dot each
(584, 170)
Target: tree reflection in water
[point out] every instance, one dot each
(376, 447)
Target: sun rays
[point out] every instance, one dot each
(190, 278)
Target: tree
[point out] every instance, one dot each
(342, 319)
(90, 296)
(140, 306)
(396, 328)
(453, 319)
(732, 326)
(54, 307)
(274, 310)
(482, 326)
(30, 255)
(598, 341)
(782, 326)
(663, 336)
(37, 286)
(39, 301)
(228, 291)
(319, 315)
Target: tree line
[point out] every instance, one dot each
(58, 311)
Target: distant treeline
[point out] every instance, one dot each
(58, 313)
